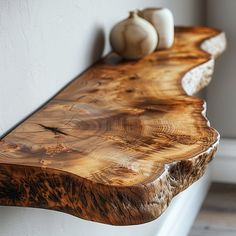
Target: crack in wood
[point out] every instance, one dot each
(53, 129)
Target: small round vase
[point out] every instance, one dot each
(134, 37)
(163, 21)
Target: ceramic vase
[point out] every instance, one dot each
(134, 37)
(163, 21)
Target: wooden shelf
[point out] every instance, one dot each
(120, 141)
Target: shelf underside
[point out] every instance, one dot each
(120, 141)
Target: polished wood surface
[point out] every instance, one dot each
(120, 141)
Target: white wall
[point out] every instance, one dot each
(44, 45)
(221, 94)
(223, 167)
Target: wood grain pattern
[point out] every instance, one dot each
(120, 141)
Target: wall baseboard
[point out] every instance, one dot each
(180, 216)
(224, 164)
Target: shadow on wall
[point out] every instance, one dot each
(97, 47)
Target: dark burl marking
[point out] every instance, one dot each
(56, 190)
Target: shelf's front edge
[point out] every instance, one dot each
(58, 190)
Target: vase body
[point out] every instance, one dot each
(163, 21)
(134, 37)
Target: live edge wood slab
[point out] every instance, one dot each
(120, 141)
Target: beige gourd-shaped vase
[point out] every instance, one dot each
(134, 37)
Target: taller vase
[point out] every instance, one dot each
(163, 21)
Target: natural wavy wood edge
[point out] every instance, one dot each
(50, 188)
(200, 76)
